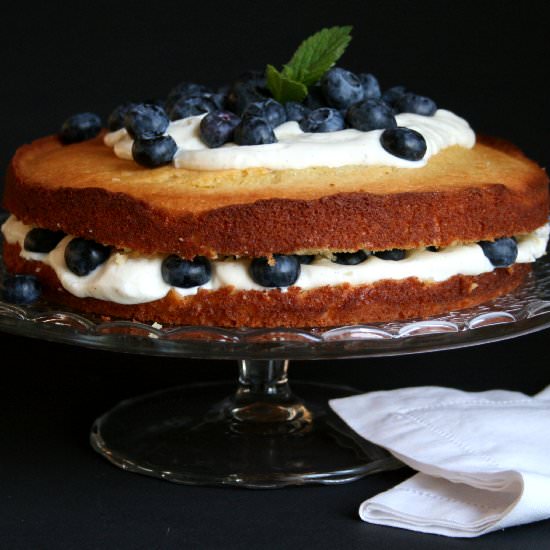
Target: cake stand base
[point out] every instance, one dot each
(262, 436)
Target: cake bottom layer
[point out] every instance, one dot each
(323, 307)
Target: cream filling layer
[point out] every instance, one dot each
(296, 149)
(130, 278)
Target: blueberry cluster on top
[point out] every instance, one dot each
(245, 113)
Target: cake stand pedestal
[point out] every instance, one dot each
(260, 433)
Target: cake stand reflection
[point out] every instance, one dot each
(258, 432)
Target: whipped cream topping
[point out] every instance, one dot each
(296, 149)
(130, 278)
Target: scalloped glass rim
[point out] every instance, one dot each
(524, 311)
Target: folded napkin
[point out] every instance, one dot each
(483, 458)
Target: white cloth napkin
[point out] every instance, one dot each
(483, 458)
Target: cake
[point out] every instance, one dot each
(393, 210)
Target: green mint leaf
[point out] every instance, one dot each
(283, 87)
(317, 54)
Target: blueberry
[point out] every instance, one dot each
(371, 114)
(248, 88)
(154, 152)
(184, 90)
(392, 95)
(268, 109)
(404, 143)
(254, 131)
(342, 88)
(370, 86)
(42, 240)
(251, 77)
(413, 103)
(117, 116)
(80, 127)
(217, 128)
(295, 111)
(146, 121)
(242, 94)
(220, 97)
(284, 272)
(155, 101)
(305, 259)
(188, 89)
(433, 248)
(186, 273)
(192, 106)
(394, 254)
(350, 258)
(324, 119)
(315, 98)
(500, 252)
(21, 289)
(83, 256)
(217, 98)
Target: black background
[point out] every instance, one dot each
(487, 61)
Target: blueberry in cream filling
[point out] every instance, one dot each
(130, 278)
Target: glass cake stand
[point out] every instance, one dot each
(257, 432)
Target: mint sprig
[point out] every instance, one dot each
(284, 88)
(313, 58)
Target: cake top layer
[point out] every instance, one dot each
(461, 195)
(49, 165)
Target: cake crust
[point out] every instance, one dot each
(462, 195)
(323, 307)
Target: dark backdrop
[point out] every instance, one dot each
(488, 61)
